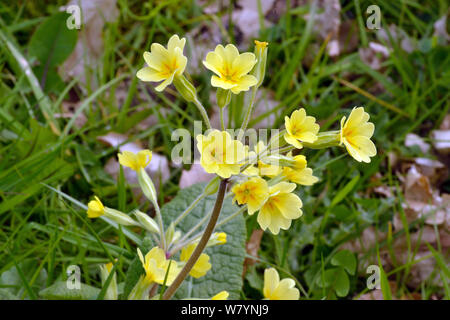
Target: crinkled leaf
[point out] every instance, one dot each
(227, 260)
(12, 280)
(60, 291)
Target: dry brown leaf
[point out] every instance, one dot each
(440, 29)
(68, 111)
(89, 47)
(252, 248)
(376, 294)
(445, 125)
(413, 139)
(441, 141)
(194, 175)
(374, 55)
(399, 36)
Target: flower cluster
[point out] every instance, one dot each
(264, 178)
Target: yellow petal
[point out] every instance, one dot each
(149, 74)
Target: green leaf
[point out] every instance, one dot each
(336, 279)
(344, 191)
(53, 42)
(345, 259)
(6, 295)
(384, 282)
(227, 260)
(15, 284)
(59, 291)
(342, 283)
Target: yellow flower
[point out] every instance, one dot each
(300, 127)
(155, 265)
(253, 192)
(261, 44)
(220, 154)
(222, 237)
(135, 161)
(262, 169)
(299, 173)
(164, 64)
(95, 208)
(201, 267)
(356, 133)
(281, 207)
(231, 68)
(274, 289)
(222, 295)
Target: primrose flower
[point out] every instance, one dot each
(222, 237)
(155, 265)
(220, 153)
(95, 208)
(252, 192)
(300, 127)
(135, 161)
(222, 295)
(262, 169)
(356, 133)
(217, 238)
(274, 289)
(231, 68)
(299, 173)
(280, 208)
(164, 64)
(201, 267)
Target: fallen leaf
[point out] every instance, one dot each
(89, 48)
(374, 55)
(194, 175)
(440, 29)
(413, 139)
(441, 140)
(398, 35)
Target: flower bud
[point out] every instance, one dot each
(119, 217)
(259, 70)
(141, 290)
(279, 160)
(217, 238)
(112, 291)
(212, 186)
(170, 233)
(147, 186)
(325, 140)
(223, 97)
(147, 222)
(185, 88)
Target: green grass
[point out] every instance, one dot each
(44, 160)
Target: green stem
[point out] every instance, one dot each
(188, 209)
(220, 223)
(222, 120)
(202, 243)
(203, 112)
(248, 114)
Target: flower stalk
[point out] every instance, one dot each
(202, 243)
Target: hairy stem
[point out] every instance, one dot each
(201, 245)
(203, 112)
(248, 114)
